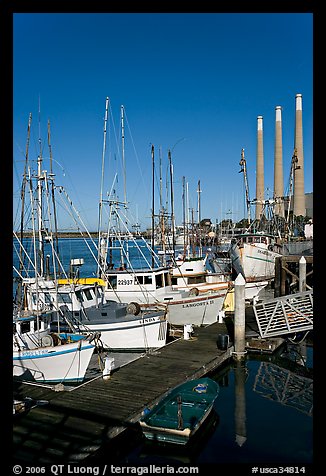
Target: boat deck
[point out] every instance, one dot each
(78, 422)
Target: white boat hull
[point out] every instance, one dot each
(198, 311)
(62, 363)
(257, 263)
(138, 334)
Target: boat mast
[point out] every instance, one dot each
(40, 206)
(199, 219)
(184, 215)
(172, 202)
(123, 157)
(294, 166)
(243, 169)
(23, 189)
(153, 205)
(56, 239)
(102, 249)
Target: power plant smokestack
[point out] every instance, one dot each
(259, 168)
(278, 164)
(299, 207)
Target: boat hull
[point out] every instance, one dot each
(256, 262)
(181, 413)
(138, 334)
(62, 363)
(199, 311)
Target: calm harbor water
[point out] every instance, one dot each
(263, 414)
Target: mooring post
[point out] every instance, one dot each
(239, 318)
(302, 274)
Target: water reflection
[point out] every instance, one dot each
(265, 409)
(240, 374)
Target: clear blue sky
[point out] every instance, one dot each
(193, 83)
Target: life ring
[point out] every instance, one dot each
(194, 292)
(133, 308)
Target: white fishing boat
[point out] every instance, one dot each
(191, 273)
(76, 304)
(123, 327)
(254, 254)
(42, 356)
(150, 285)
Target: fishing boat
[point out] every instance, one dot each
(43, 356)
(39, 353)
(192, 273)
(254, 255)
(181, 413)
(122, 327)
(150, 284)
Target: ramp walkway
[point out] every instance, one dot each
(285, 315)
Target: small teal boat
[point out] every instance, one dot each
(181, 412)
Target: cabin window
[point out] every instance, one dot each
(257, 239)
(159, 281)
(167, 279)
(64, 297)
(174, 281)
(37, 325)
(25, 327)
(140, 279)
(88, 294)
(249, 239)
(264, 239)
(112, 282)
(148, 280)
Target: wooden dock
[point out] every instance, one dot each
(77, 423)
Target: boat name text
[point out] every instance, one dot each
(195, 304)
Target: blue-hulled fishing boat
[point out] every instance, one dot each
(181, 412)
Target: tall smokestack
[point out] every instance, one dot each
(259, 168)
(299, 207)
(278, 164)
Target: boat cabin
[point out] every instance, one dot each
(47, 295)
(137, 280)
